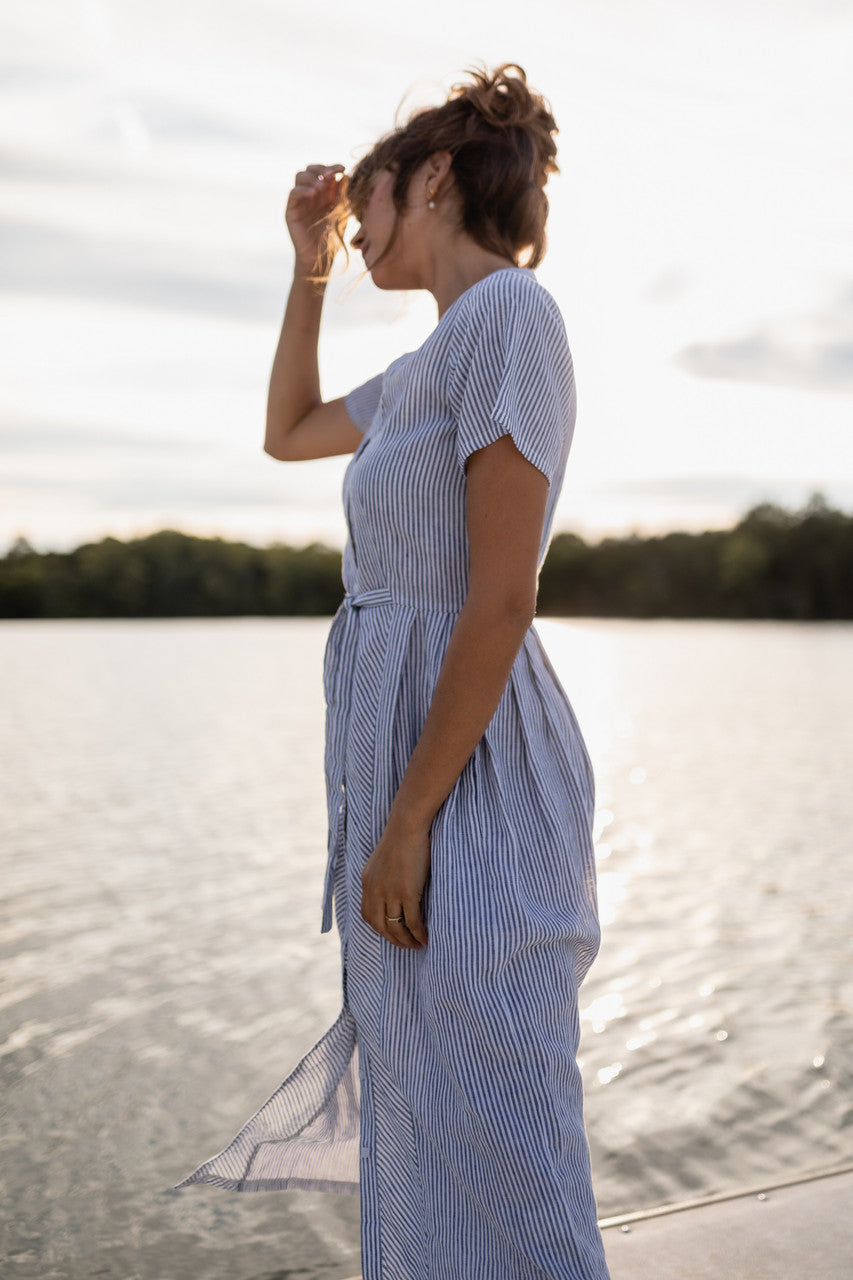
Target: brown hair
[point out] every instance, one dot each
(500, 137)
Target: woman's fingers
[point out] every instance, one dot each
(317, 182)
(403, 925)
(326, 172)
(414, 920)
(395, 929)
(387, 923)
(311, 191)
(318, 176)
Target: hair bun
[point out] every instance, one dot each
(500, 98)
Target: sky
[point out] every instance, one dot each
(700, 250)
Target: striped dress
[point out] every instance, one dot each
(447, 1091)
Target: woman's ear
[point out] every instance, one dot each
(438, 167)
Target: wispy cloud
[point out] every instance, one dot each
(813, 352)
(669, 285)
(23, 166)
(734, 492)
(153, 488)
(51, 261)
(25, 437)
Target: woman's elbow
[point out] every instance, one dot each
(505, 606)
(521, 610)
(277, 443)
(273, 451)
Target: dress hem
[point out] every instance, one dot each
(271, 1184)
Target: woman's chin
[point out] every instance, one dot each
(381, 278)
(387, 278)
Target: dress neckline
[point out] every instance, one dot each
(527, 271)
(406, 355)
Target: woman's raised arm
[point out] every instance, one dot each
(299, 424)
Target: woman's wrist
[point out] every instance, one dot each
(409, 819)
(305, 270)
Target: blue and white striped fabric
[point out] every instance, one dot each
(448, 1090)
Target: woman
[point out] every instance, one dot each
(460, 791)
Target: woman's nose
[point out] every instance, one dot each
(358, 239)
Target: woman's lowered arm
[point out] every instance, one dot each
(505, 511)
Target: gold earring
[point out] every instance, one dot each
(430, 199)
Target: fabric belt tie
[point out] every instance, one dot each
(368, 599)
(353, 601)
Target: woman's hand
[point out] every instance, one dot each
(314, 195)
(393, 882)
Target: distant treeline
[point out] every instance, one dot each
(773, 564)
(169, 574)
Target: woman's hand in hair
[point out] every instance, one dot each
(315, 193)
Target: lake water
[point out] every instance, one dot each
(163, 846)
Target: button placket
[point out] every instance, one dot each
(371, 1248)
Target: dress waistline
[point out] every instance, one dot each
(368, 599)
(355, 600)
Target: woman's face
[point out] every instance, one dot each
(397, 269)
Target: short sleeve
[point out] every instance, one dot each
(513, 373)
(362, 402)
